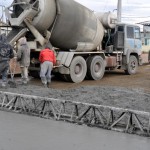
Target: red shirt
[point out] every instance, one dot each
(47, 55)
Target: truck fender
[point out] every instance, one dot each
(127, 57)
(104, 58)
(129, 52)
(65, 58)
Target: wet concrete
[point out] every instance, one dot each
(21, 132)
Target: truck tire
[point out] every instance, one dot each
(132, 66)
(95, 67)
(78, 69)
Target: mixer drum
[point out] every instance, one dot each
(75, 23)
(72, 25)
(46, 15)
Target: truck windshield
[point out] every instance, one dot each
(137, 33)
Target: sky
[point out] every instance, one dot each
(133, 11)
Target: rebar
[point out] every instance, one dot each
(118, 119)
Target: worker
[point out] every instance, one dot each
(48, 60)
(23, 56)
(6, 53)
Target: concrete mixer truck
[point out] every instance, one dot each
(86, 43)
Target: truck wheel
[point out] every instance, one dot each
(95, 67)
(132, 65)
(78, 70)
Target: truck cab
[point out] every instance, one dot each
(128, 38)
(126, 48)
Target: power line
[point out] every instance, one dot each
(135, 17)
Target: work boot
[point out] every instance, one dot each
(24, 82)
(45, 85)
(4, 85)
(48, 84)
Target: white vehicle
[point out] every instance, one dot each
(86, 43)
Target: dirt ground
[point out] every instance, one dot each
(115, 89)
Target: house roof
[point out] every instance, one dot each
(145, 23)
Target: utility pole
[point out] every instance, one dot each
(119, 10)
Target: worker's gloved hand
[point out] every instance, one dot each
(57, 62)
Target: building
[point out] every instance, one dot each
(145, 35)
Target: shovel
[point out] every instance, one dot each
(12, 82)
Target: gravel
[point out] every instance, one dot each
(115, 96)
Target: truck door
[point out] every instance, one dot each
(132, 39)
(129, 39)
(137, 39)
